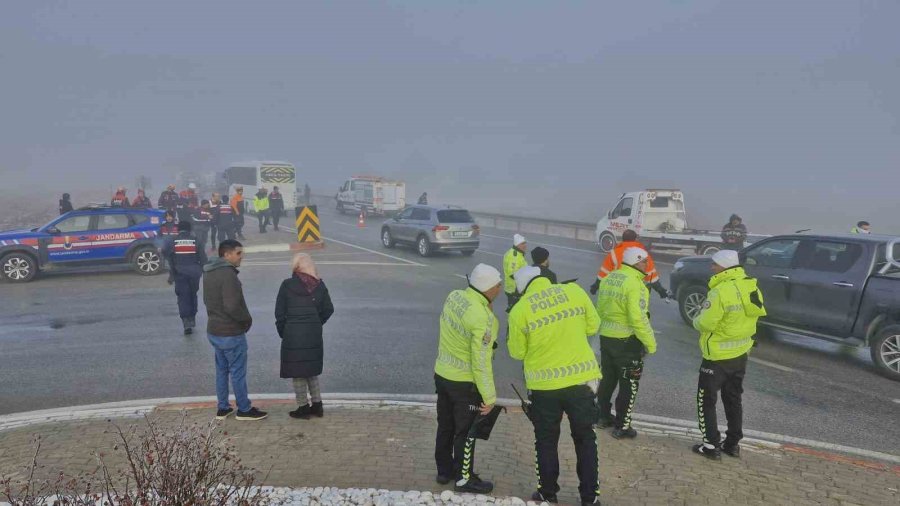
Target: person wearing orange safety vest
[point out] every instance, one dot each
(613, 262)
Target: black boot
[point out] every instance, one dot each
(307, 411)
(317, 410)
(732, 450)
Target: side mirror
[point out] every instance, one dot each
(53, 230)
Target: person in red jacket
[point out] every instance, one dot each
(141, 201)
(188, 203)
(119, 199)
(614, 260)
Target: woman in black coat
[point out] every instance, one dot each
(302, 308)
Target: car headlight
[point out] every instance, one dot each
(678, 266)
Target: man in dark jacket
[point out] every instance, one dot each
(186, 259)
(302, 308)
(168, 200)
(65, 204)
(276, 206)
(734, 233)
(202, 221)
(540, 257)
(228, 321)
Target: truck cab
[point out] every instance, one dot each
(643, 211)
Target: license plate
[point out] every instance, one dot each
(459, 234)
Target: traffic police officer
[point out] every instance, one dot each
(464, 377)
(186, 260)
(513, 260)
(549, 329)
(727, 325)
(625, 337)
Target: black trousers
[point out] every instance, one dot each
(201, 232)
(276, 217)
(547, 407)
(622, 363)
(458, 403)
(238, 225)
(225, 232)
(726, 376)
(213, 232)
(511, 299)
(186, 287)
(263, 217)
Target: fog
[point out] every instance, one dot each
(785, 112)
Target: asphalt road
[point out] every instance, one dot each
(80, 338)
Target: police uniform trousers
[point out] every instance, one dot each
(622, 363)
(187, 284)
(458, 403)
(226, 231)
(201, 231)
(547, 407)
(726, 376)
(213, 233)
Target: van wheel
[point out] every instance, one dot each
(690, 302)
(146, 261)
(885, 349)
(18, 267)
(607, 242)
(708, 249)
(423, 246)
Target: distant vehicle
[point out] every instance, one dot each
(374, 194)
(840, 288)
(253, 175)
(431, 229)
(93, 235)
(659, 218)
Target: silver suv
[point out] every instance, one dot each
(432, 228)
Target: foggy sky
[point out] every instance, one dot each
(784, 111)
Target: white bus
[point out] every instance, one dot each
(253, 175)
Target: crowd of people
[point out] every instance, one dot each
(550, 325)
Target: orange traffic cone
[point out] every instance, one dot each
(362, 219)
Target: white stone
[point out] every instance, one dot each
(446, 496)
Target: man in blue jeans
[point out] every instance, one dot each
(228, 323)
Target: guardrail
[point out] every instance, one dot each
(554, 228)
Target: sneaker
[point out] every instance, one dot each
(224, 413)
(628, 433)
(253, 414)
(732, 451)
(710, 453)
(442, 480)
(604, 422)
(188, 331)
(539, 498)
(474, 485)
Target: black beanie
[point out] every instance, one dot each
(539, 255)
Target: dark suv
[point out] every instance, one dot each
(432, 228)
(841, 288)
(94, 235)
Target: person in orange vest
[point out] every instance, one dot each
(614, 260)
(240, 209)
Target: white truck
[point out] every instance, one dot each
(659, 218)
(375, 194)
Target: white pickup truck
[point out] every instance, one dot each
(659, 218)
(374, 194)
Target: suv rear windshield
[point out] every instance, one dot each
(455, 216)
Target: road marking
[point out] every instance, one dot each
(345, 223)
(488, 252)
(897, 401)
(374, 252)
(773, 365)
(460, 276)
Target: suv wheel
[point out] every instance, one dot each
(423, 246)
(885, 349)
(690, 302)
(607, 242)
(146, 261)
(18, 267)
(386, 238)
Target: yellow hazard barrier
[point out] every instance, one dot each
(309, 232)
